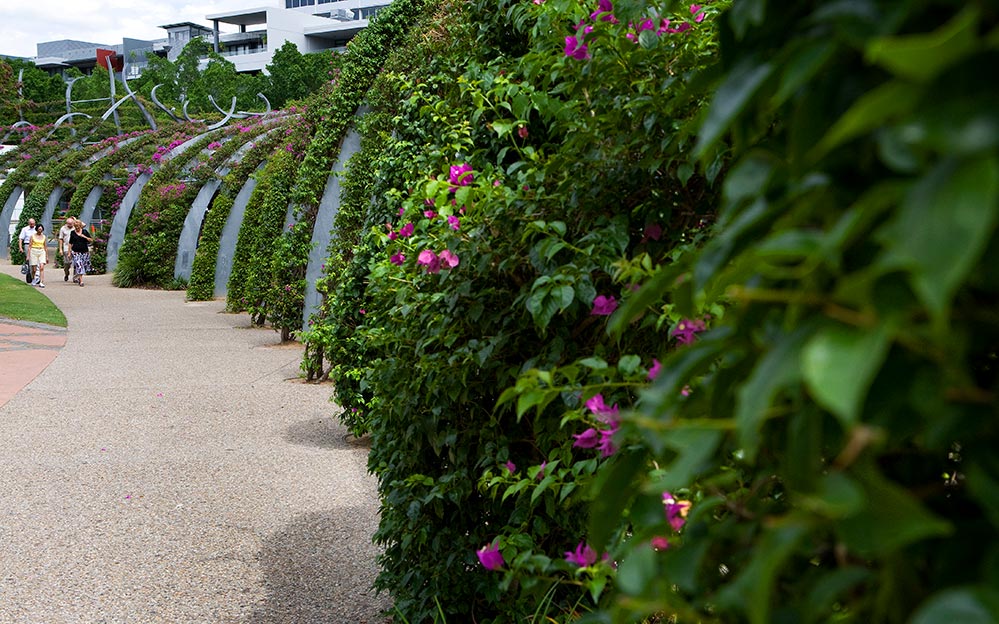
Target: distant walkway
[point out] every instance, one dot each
(169, 466)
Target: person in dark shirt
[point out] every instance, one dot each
(79, 242)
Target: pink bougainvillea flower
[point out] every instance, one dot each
(583, 555)
(430, 260)
(684, 27)
(397, 259)
(653, 231)
(698, 12)
(454, 222)
(522, 133)
(407, 230)
(490, 557)
(449, 258)
(159, 395)
(659, 543)
(428, 202)
(687, 329)
(575, 48)
(430, 214)
(606, 445)
(603, 306)
(461, 175)
(587, 440)
(655, 370)
(541, 471)
(646, 24)
(600, 409)
(512, 467)
(392, 235)
(604, 8)
(676, 511)
(401, 210)
(685, 391)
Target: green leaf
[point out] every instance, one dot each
(730, 99)
(628, 364)
(612, 490)
(838, 496)
(648, 39)
(753, 587)
(944, 225)
(637, 570)
(964, 605)
(777, 369)
(839, 363)
(871, 110)
(695, 449)
(502, 128)
(921, 57)
(804, 64)
(891, 518)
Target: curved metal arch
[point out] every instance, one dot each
(266, 112)
(156, 101)
(142, 109)
(227, 117)
(62, 119)
(188, 117)
(232, 114)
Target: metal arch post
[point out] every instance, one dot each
(62, 119)
(232, 114)
(227, 117)
(168, 111)
(149, 118)
(20, 92)
(188, 117)
(263, 114)
(114, 109)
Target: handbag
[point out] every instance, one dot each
(25, 268)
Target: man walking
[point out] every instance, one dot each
(64, 249)
(24, 244)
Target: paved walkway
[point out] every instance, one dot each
(26, 349)
(169, 466)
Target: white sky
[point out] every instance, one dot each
(23, 23)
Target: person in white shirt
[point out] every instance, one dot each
(24, 244)
(64, 249)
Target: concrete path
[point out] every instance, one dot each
(26, 349)
(169, 466)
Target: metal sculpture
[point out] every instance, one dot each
(228, 115)
(62, 119)
(168, 111)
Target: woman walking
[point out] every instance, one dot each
(38, 259)
(79, 242)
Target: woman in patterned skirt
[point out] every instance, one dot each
(79, 242)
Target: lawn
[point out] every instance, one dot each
(23, 302)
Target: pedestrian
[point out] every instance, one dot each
(80, 244)
(37, 246)
(64, 251)
(24, 244)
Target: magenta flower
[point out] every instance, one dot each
(606, 445)
(430, 214)
(401, 211)
(490, 556)
(600, 409)
(603, 306)
(430, 260)
(454, 222)
(392, 235)
(407, 230)
(587, 440)
(604, 8)
(655, 370)
(583, 555)
(687, 330)
(512, 467)
(575, 48)
(659, 543)
(522, 133)
(646, 24)
(676, 511)
(449, 258)
(397, 259)
(653, 231)
(541, 470)
(461, 175)
(698, 12)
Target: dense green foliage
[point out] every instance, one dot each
(818, 441)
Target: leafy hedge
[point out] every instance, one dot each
(787, 415)
(202, 284)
